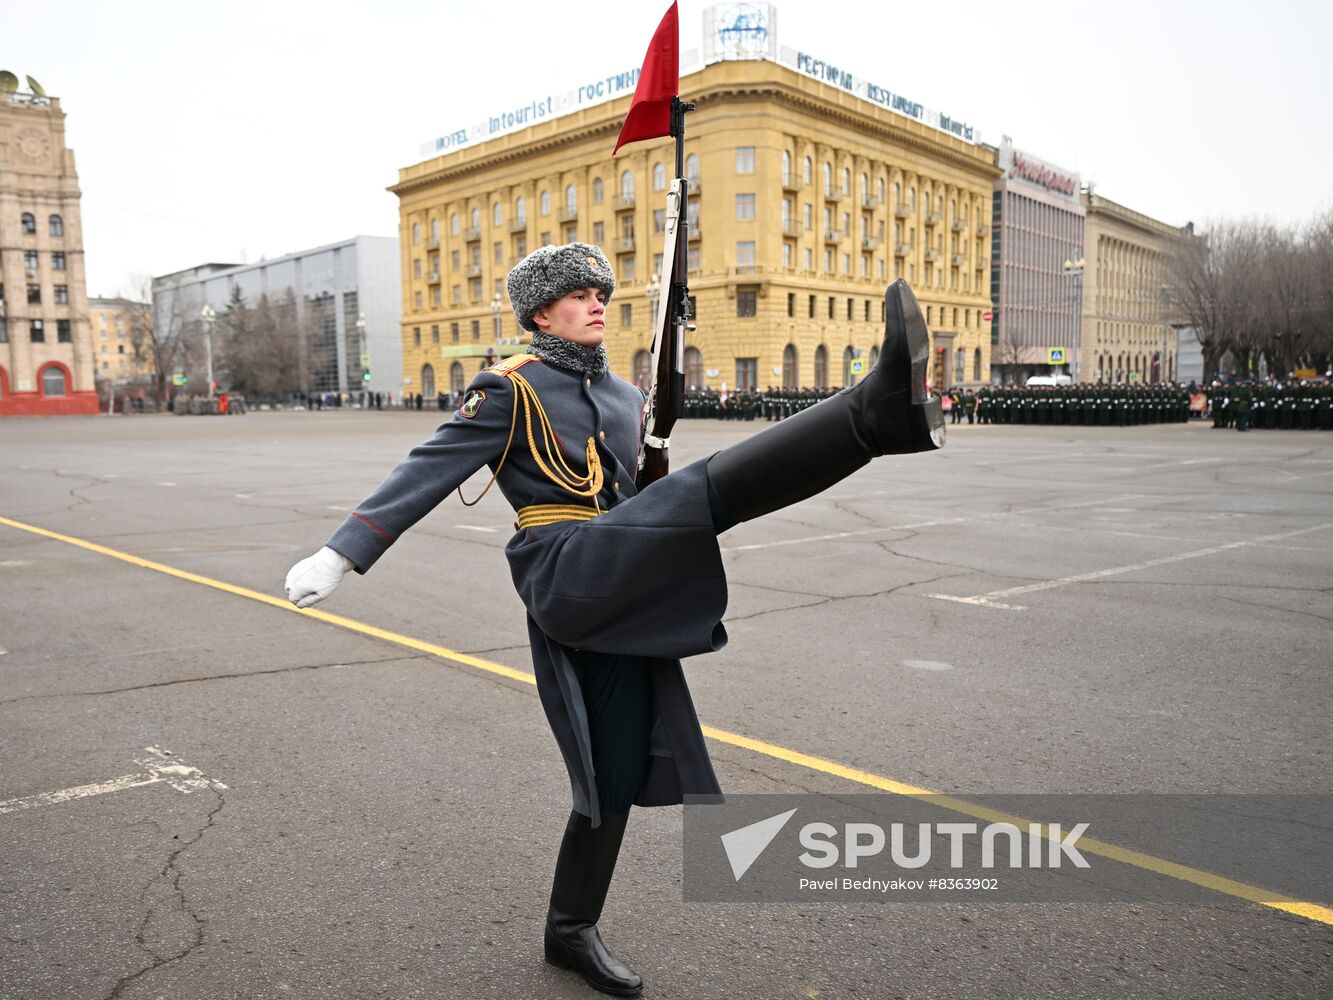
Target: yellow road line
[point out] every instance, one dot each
(1098, 848)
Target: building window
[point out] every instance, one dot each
(30, 259)
(36, 333)
(786, 167)
(828, 178)
(497, 214)
(58, 260)
(747, 302)
(808, 170)
(849, 308)
(693, 260)
(453, 333)
(416, 267)
(626, 266)
(476, 331)
(53, 381)
(659, 177)
(959, 364)
(571, 199)
(435, 230)
(659, 220)
(453, 228)
(626, 314)
(435, 333)
(847, 355)
(812, 307)
(787, 253)
(63, 334)
(821, 367)
(545, 239)
(34, 295)
(745, 208)
(747, 374)
(828, 261)
(867, 311)
(57, 225)
(598, 191)
(789, 367)
(627, 186)
(846, 181)
(571, 232)
(694, 368)
(416, 232)
(456, 294)
(453, 260)
(791, 303)
(809, 256)
(599, 232)
(61, 293)
(28, 224)
(521, 211)
(745, 255)
(643, 369)
(832, 304)
(744, 159)
(427, 380)
(692, 167)
(456, 383)
(976, 365)
(416, 300)
(416, 336)
(544, 203)
(498, 251)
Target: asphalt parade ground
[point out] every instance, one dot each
(205, 793)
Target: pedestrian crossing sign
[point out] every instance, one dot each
(856, 366)
(1055, 355)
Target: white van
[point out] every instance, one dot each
(1050, 380)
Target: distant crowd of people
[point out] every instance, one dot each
(1272, 404)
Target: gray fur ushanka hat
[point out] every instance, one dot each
(552, 272)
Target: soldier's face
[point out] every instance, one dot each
(579, 316)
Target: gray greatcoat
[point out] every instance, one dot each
(644, 578)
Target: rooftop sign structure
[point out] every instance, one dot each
(731, 31)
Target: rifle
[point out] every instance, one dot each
(666, 396)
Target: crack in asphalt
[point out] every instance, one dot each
(495, 649)
(169, 877)
(841, 597)
(211, 677)
(1276, 607)
(73, 490)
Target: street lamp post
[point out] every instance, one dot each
(497, 304)
(361, 342)
(209, 316)
(1074, 270)
(653, 291)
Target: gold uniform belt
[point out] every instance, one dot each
(553, 513)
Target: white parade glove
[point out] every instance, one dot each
(311, 580)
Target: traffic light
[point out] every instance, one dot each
(365, 376)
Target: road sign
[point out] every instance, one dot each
(179, 378)
(856, 366)
(365, 361)
(1055, 355)
(988, 315)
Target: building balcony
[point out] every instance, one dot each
(834, 194)
(474, 270)
(901, 211)
(958, 259)
(959, 225)
(869, 201)
(932, 218)
(792, 182)
(793, 228)
(932, 253)
(693, 231)
(623, 202)
(433, 278)
(472, 233)
(433, 243)
(902, 249)
(568, 214)
(833, 236)
(746, 269)
(983, 231)
(624, 244)
(695, 186)
(519, 225)
(870, 242)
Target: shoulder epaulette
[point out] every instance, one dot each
(511, 363)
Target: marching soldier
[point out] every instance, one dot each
(619, 585)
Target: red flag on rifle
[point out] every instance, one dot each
(650, 112)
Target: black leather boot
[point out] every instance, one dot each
(582, 876)
(889, 412)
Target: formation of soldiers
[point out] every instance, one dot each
(771, 404)
(1272, 405)
(1084, 405)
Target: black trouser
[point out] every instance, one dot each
(618, 696)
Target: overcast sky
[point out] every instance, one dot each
(232, 131)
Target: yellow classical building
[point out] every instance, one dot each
(122, 332)
(805, 202)
(1129, 334)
